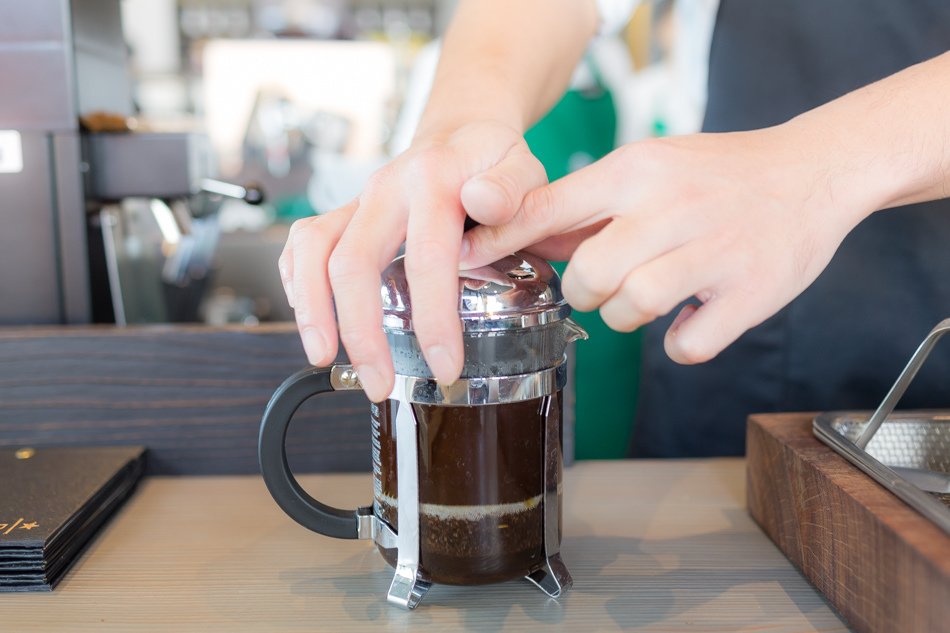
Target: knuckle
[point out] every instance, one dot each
(427, 254)
(304, 316)
(617, 321)
(299, 232)
(648, 149)
(361, 345)
(427, 164)
(641, 155)
(654, 293)
(344, 262)
(478, 241)
(508, 187)
(305, 313)
(285, 259)
(379, 180)
(539, 207)
(353, 340)
(643, 298)
(300, 225)
(588, 270)
(304, 233)
(620, 162)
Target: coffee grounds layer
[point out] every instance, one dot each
(493, 548)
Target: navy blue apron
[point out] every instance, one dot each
(842, 342)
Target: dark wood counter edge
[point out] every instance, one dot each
(193, 394)
(881, 564)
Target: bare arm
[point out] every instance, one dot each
(742, 221)
(890, 140)
(508, 60)
(504, 63)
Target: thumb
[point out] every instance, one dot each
(494, 195)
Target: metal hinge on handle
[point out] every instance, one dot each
(903, 381)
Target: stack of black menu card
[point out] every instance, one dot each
(52, 502)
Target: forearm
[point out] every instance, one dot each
(507, 60)
(887, 144)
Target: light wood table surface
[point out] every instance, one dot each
(652, 545)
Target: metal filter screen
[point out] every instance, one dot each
(906, 440)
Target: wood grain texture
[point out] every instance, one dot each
(193, 395)
(884, 566)
(652, 545)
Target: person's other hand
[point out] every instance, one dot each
(742, 222)
(421, 197)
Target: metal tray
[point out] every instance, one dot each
(909, 455)
(908, 452)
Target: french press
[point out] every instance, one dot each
(467, 476)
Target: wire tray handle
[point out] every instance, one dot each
(903, 381)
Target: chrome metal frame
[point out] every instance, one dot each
(552, 577)
(410, 582)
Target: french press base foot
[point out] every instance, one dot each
(552, 578)
(408, 588)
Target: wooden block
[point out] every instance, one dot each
(194, 395)
(884, 567)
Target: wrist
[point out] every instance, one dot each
(444, 117)
(885, 144)
(839, 177)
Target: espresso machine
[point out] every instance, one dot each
(58, 59)
(97, 225)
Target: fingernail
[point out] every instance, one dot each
(491, 188)
(440, 362)
(314, 345)
(687, 311)
(464, 248)
(372, 382)
(289, 291)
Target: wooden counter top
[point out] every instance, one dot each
(652, 545)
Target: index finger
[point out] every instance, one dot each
(573, 202)
(432, 251)
(371, 240)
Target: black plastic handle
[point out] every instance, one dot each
(272, 453)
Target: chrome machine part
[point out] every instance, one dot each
(249, 193)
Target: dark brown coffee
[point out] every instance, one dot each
(481, 471)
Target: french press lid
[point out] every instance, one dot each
(517, 291)
(514, 318)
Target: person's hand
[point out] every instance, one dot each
(743, 222)
(421, 197)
